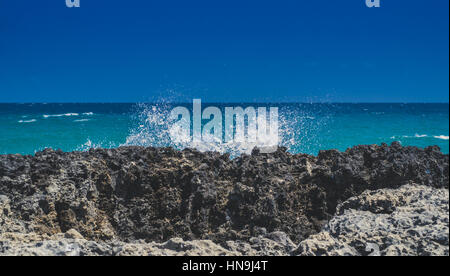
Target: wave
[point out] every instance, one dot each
(27, 121)
(442, 137)
(409, 136)
(61, 115)
(155, 130)
(152, 128)
(88, 113)
(82, 120)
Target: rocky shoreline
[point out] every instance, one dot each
(368, 200)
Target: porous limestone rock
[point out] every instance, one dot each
(411, 220)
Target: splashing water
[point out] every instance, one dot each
(95, 145)
(153, 128)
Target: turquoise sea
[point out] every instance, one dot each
(304, 128)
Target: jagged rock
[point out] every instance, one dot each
(412, 220)
(58, 245)
(273, 244)
(67, 245)
(130, 194)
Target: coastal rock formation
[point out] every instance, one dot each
(412, 220)
(73, 244)
(150, 196)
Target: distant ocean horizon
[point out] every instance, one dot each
(304, 127)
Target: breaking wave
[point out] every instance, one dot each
(296, 131)
(441, 137)
(27, 121)
(60, 115)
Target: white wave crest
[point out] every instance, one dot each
(410, 137)
(442, 137)
(27, 121)
(60, 115)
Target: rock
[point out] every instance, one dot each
(62, 245)
(73, 234)
(176, 247)
(412, 220)
(32, 245)
(154, 195)
(273, 244)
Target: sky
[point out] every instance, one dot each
(224, 51)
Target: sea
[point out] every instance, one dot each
(303, 127)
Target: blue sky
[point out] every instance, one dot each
(224, 51)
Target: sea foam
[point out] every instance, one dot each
(27, 121)
(152, 128)
(442, 137)
(61, 115)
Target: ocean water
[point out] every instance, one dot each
(304, 128)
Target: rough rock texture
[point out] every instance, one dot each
(149, 195)
(412, 220)
(73, 244)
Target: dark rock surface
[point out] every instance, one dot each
(412, 220)
(156, 194)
